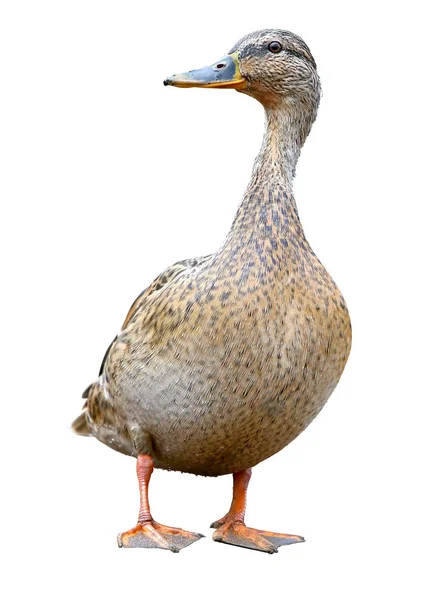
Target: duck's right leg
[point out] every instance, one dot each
(148, 533)
(231, 529)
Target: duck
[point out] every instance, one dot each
(225, 359)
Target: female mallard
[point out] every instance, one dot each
(225, 359)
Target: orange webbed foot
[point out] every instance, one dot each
(154, 535)
(237, 533)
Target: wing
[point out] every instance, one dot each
(162, 279)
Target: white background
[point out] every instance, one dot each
(107, 177)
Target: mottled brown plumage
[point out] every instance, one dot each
(225, 359)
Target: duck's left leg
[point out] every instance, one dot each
(148, 533)
(231, 529)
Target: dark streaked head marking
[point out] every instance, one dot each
(257, 44)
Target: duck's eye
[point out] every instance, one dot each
(275, 47)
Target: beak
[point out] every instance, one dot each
(223, 74)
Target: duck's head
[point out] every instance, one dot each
(274, 66)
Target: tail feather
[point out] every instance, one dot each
(86, 392)
(81, 425)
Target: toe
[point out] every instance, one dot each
(217, 524)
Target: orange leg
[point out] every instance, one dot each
(231, 529)
(148, 533)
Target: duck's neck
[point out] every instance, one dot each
(268, 203)
(281, 146)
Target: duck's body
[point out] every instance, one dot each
(230, 360)
(224, 360)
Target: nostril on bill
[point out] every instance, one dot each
(221, 65)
